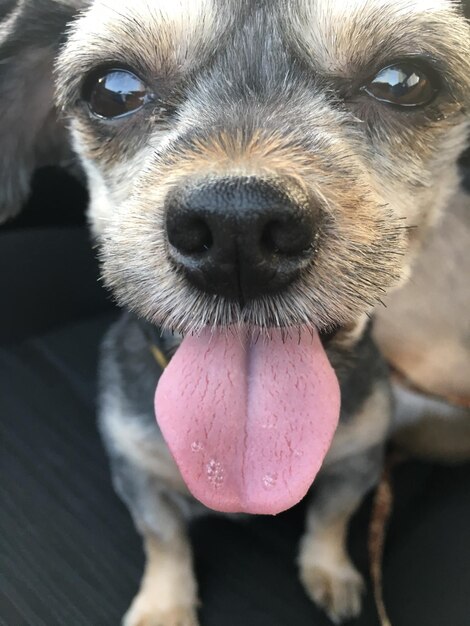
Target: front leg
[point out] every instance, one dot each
(168, 590)
(167, 595)
(352, 466)
(326, 571)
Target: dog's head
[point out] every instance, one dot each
(264, 163)
(270, 163)
(261, 164)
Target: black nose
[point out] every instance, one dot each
(240, 237)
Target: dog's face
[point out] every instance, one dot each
(264, 163)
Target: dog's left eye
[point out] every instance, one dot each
(115, 93)
(405, 85)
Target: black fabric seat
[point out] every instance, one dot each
(68, 552)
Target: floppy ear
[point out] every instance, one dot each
(30, 133)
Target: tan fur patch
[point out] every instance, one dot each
(326, 544)
(326, 571)
(425, 330)
(348, 336)
(168, 590)
(366, 429)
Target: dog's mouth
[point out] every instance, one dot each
(249, 413)
(249, 421)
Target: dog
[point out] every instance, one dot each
(263, 177)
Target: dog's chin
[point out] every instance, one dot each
(191, 312)
(257, 318)
(165, 298)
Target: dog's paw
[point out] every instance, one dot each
(336, 588)
(145, 612)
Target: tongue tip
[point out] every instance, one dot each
(271, 507)
(252, 508)
(266, 504)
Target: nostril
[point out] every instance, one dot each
(290, 239)
(240, 238)
(190, 236)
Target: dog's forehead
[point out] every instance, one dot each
(337, 31)
(147, 31)
(175, 12)
(328, 28)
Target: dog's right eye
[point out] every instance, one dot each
(115, 93)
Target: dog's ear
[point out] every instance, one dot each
(30, 134)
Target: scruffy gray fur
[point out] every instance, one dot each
(266, 89)
(147, 479)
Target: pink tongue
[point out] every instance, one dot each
(248, 424)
